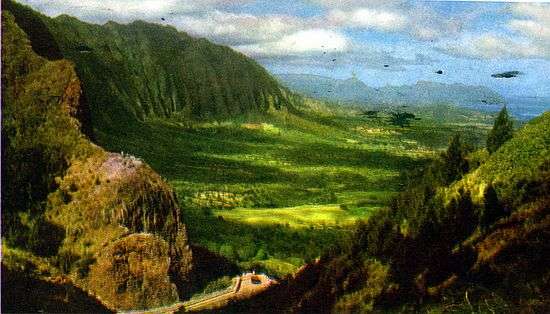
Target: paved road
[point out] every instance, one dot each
(245, 286)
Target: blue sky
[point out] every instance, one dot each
(467, 40)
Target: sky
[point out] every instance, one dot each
(382, 42)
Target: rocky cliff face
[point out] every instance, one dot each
(106, 221)
(125, 239)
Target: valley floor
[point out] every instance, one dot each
(271, 192)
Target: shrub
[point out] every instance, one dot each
(228, 251)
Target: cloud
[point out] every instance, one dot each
(526, 35)
(237, 29)
(101, 11)
(414, 19)
(533, 21)
(531, 28)
(494, 46)
(427, 24)
(357, 55)
(352, 4)
(302, 42)
(368, 18)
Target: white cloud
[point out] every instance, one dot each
(534, 20)
(526, 35)
(237, 29)
(531, 28)
(537, 11)
(417, 20)
(101, 11)
(351, 4)
(368, 18)
(302, 42)
(495, 46)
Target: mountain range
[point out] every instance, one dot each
(354, 91)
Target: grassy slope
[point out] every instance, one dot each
(148, 71)
(515, 162)
(509, 272)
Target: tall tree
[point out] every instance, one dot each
(502, 131)
(456, 164)
(492, 209)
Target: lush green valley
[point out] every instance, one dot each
(142, 167)
(274, 191)
(468, 234)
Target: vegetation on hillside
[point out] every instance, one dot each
(267, 181)
(442, 246)
(141, 71)
(502, 131)
(39, 136)
(66, 202)
(305, 175)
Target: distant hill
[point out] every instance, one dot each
(142, 71)
(354, 91)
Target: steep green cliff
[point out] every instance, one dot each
(143, 71)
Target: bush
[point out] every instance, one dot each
(246, 252)
(228, 251)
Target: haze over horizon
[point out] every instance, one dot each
(382, 42)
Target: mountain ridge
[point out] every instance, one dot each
(139, 71)
(355, 91)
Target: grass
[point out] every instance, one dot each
(306, 175)
(297, 217)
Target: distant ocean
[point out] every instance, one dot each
(523, 108)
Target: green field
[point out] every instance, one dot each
(285, 186)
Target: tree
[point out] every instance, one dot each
(402, 119)
(502, 131)
(456, 164)
(492, 209)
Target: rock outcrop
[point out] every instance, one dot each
(105, 220)
(133, 273)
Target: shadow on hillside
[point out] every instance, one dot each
(24, 294)
(320, 154)
(247, 242)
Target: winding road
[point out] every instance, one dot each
(244, 287)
